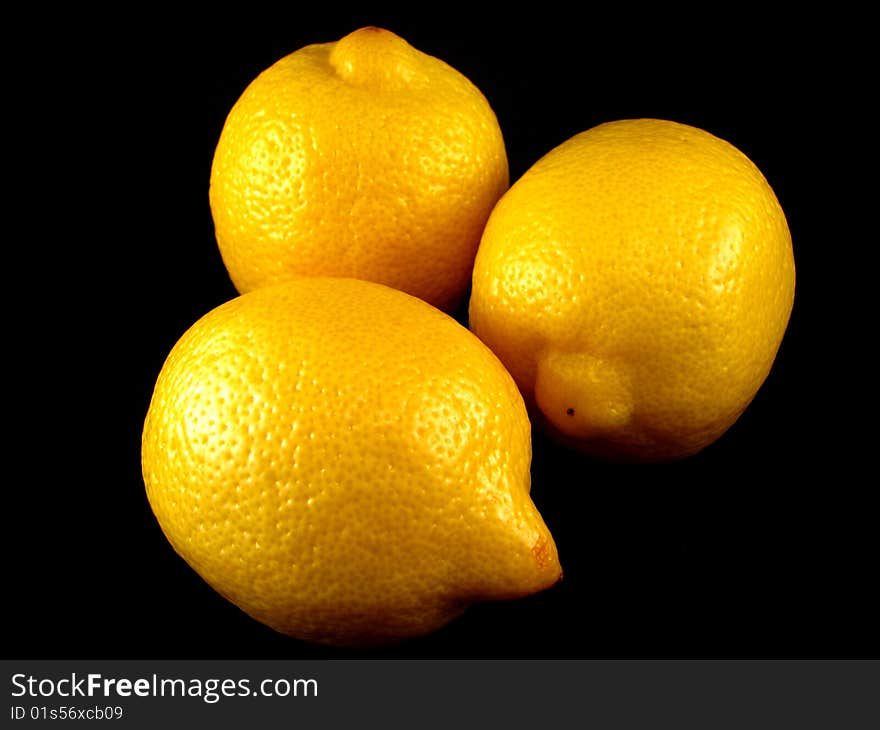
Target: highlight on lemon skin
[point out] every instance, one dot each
(345, 463)
(363, 158)
(637, 282)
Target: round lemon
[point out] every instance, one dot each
(361, 158)
(636, 282)
(345, 463)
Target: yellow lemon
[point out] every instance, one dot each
(360, 158)
(636, 282)
(345, 463)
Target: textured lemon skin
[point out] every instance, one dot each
(361, 158)
(345, 463)
(637, 282)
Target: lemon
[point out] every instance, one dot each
(637, 282)
(361, 158)
(345, 463)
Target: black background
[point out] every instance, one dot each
(764, 545)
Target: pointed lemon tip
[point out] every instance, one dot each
(519, 560)
(583, 396)
(546, 558)
(374, 57)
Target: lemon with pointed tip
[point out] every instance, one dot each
(345, 463)
(360, 158)
(637, 282)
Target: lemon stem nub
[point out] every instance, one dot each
(583, 395)
(375, 58)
